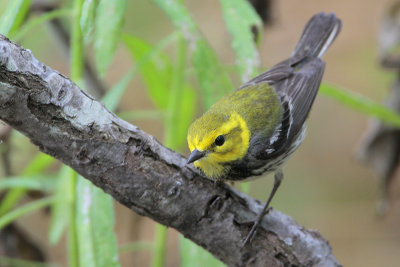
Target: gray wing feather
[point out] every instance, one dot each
(300, 89)
(296, 80)
(297, 84)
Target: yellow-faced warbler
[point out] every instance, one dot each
(255, 129)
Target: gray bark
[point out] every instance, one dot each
(140, 173)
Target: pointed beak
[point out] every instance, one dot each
(195, 155)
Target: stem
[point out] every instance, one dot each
(175, 95)
(77, 45)
(76, 76)
(169, 141)
(73, 259)
(160, 247)
(361, 103)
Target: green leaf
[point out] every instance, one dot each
(76, 45)
(94, 224)
(108, 25)
(37, 165)
(87, 18)
(37, 21)
(165, 84)
(72, 235)
(194, 256)
(155, 68)
(112, 98)
(13, 16)
(186, 109)
(361, 103)
(60, 209)
(23, 210)
(241, 20)
(160, 246)
(212, 78)
(41, 182)
(245, 187)
(181, 102)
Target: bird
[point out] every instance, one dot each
(256, 128)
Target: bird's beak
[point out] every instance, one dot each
(195, 155)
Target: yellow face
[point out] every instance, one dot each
(220, 138)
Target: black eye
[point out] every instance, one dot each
(220, 140)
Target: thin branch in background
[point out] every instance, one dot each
(265, 9)
(380, 144)
(16, 244)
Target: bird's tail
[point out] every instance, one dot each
(317, 36)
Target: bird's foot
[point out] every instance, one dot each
(255, 226)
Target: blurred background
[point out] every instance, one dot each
(325, 187)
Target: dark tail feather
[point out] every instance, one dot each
(320, 31)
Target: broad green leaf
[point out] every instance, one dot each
(13, 16)
(37, 165)
(94, 225)
(23, 210)
(45, 183)
(108, 25)
(212, 78)
(194, 256)
(361, 103)
(241, 20)
(60, 209)
(37, 21)
(87, 18)
(112, 98)
(154, 67)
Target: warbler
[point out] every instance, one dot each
(255, 129)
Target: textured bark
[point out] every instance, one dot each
(140, 173)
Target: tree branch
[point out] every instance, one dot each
(140, 173)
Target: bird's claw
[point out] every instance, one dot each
(254, 228)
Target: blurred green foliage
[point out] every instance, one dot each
(81, 209)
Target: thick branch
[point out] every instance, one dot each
(140, 173)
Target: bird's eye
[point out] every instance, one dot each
(220, 140)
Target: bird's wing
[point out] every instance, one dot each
(299, 91)
(296, 82)
(275, 74)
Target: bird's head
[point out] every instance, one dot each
(217, 139)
